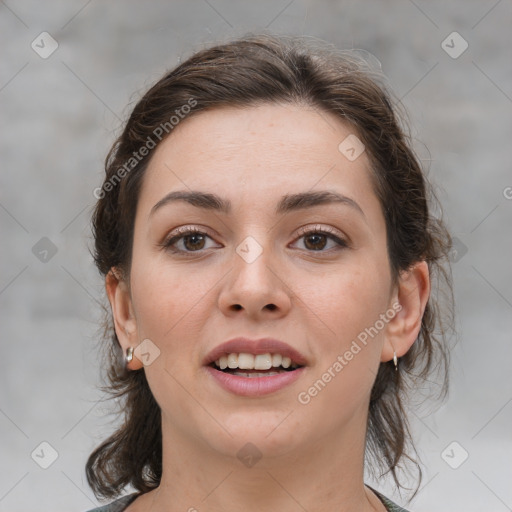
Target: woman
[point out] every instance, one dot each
(268, 253)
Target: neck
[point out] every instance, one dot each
(326, 475)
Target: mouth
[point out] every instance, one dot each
(254, 366)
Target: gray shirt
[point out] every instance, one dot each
(122, 503)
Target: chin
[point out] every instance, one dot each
(272, 433)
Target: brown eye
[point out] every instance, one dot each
(317, 240)
(187, 241)
(195, 241)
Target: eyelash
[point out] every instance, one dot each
(187, 231)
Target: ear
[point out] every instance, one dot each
(125, 322)
(409, 301)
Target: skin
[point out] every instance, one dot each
(318, 301)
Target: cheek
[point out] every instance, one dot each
(165, 296)
(173, 306)
(346, 301)
(350, 305)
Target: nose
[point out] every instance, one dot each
(255, 288)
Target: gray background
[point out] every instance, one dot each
(59, 117)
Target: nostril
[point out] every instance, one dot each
(271, 307)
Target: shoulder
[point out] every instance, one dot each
(116, 506)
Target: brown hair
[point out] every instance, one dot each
(268, 69)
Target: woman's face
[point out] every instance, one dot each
(255, 272)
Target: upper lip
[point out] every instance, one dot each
(255, 347)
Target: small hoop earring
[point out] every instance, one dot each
(395, 361)
(129, 354)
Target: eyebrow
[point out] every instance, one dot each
(288, 203)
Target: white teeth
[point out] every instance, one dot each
(252, 375)
(276, 360)
(262, 362)
(245, 361)
(232, 361)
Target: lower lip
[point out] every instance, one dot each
(254, 386)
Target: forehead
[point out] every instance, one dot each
(257, 152)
